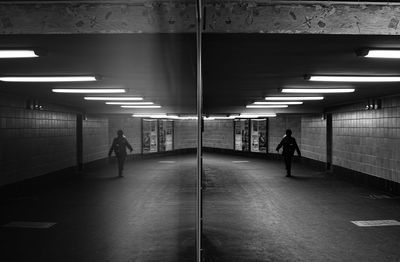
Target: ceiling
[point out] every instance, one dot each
(238, 68)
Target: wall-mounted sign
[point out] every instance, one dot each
(150, 138)
(258, 135)
(242, 134)
(166, 135)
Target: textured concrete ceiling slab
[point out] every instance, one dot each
(296, 17)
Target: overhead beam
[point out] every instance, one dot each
(285, 17)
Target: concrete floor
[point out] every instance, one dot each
(148, 215)
(252, 212)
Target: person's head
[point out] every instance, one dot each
(120, 133)
(288, 132)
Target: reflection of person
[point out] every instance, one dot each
(289, 146)
(119, 145)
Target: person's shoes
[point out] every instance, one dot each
(288, 175)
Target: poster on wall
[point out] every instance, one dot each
(259, 135)
(150, 143)
(242, 134)
(165, 131)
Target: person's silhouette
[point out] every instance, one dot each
(119, 145)
(289, 146)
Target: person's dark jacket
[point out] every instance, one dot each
(289, 146)
(119, 146)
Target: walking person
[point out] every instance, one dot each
(289, 146)
(119, 145)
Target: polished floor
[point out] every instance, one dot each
(148, 215)
(252, 212)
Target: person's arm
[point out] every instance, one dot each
(279, 146)
(128, 145)
(297, 148)
(112, 148)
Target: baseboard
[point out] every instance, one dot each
(359, 178)
(46, 181)
(38, 184)
(314, 163)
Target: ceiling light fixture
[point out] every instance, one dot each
(105, 98)
(129, 103)
(155, 116)
(141, 106)
(17, 54)
(318, 90)
(267, 106)
(48, 78)
(354, 78)
(278, 103)
(88, 90)
(279, 98)
(221, 117)
(373, 53)
(256, 115)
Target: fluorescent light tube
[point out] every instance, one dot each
(355, 78)
(17, 54)
(256, 115)
(48, 78)
(278, 103)
(141, 106)
(129, 103)
(155, 116)
(267, 106)
(88, 90)
(318, 90)
(221, 117)
(149, 115)
(383, 54)
(279, 98)
(121, 98)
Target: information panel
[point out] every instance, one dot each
(242, 134)
(258, 135)
(166, 135)
(150, 138)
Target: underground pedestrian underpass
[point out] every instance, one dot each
(204, 103)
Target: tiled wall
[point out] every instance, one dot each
(34, 143)
(132, 128)
(95, 138)
(313, 137)
(185, 134)
(277, 127)
(218, 134)
(368, 141)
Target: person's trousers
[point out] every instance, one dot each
(288, 163)
(121, 161)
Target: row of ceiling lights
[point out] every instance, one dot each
(238, 116)
(285, 101)
(122, 100)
